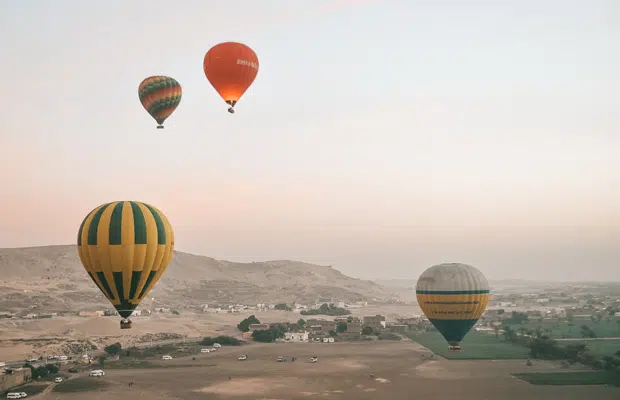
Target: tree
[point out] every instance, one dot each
(517, 318)
(544, 347)
(52, 369)
(332, 333)
(587, 332)
(282, 307)
(113, 349)
(222, 340)
(244, 326)
(33, 370)
(574, 352)
(301, 323)
(264, 336)
(102, 360)
(278, 330)
(175, 312)
(500, 311)
(41, 372)
(367, 330)
(341, 327)
(510, 334)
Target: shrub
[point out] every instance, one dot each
(223, 340)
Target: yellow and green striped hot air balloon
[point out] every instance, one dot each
(125, 246)
(160, 96)
(453, 297)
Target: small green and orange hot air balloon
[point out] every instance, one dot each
(160, 96)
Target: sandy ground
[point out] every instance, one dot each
(342, 372)
(105, 330)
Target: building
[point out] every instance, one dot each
(91, 313)
(319, 325)
(328, 340)
(376, 322)
(258, 327)
(399, 328)
(14, 377)
(408, 321)
(296, 336)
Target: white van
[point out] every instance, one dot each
(216, 345)
(205, 350)
(63, 358)
(166, 357)
(96, 372)
(14, 395)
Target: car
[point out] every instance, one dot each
(166, 357)
(32, 360)
(205, 350)
(2, 364)
(63, 358)
(243, 357)
(314, 359)
(217, 345)
(16, 395)
(58, 379)
(97, 372)
(213, 349)
(280, 359)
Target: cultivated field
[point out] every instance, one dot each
(609, 327)
(475, 346)
(343, 372)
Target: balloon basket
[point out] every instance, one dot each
(231, 110)
(160, 127)
(125, 324)
(454, 348)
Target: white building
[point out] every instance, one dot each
(296, 336)
(328, 340)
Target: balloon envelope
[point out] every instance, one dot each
(160, 96)
(125, 247)
(231, 68)
(453, 297)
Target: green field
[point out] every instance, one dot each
(561, 329)
(82, 384)
(570, 378)
(475, 346)
(597, 348)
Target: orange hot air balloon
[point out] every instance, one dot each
(231, 68)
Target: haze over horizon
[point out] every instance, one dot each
(379, 137)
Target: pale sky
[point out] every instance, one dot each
(380, 137)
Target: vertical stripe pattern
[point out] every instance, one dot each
(453, 297)
(125, 247)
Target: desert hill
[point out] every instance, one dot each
(51, 278)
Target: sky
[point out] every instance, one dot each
(380, 137)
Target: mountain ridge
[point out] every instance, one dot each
(52, 278)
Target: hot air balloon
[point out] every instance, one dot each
(453, 297)
(231, 68)
(125, 247)
(160, 96)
